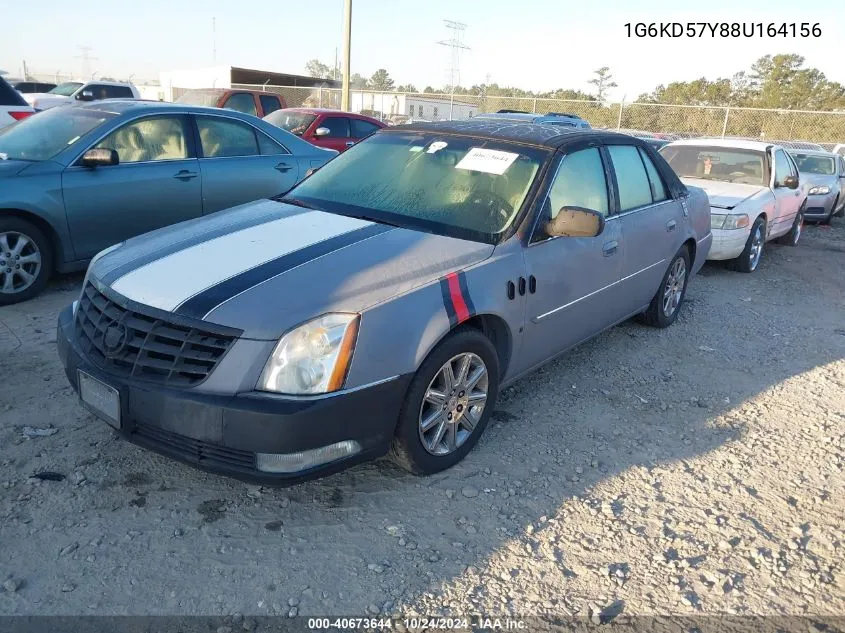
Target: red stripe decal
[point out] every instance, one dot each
(458, 302)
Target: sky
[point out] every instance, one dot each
(531, 44)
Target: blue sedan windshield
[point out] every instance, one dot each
(442, 181)
(42, 136)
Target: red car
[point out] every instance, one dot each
(332, 129)
(254, 102)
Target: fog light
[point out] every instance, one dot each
(303, 460)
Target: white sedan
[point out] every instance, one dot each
(755, 190)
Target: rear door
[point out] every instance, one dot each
(360, 129)
(787, 201)
(156, 183)
(570, 281)
(651, 222)
(240, 163)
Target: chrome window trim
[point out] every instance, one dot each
(537, 319)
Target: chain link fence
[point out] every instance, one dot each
(754, 123)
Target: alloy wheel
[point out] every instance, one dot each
(756, 248)
(20, 262)
(453, 404)
(674, 290)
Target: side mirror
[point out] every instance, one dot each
(576, 222)
(322, 131)
(791, 182)
(99, 157)
(85, 95)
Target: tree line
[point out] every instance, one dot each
(773, 81)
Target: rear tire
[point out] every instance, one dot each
(26, 260)
(791, 238)
(667, 301)
(417, 448)
(751, 255)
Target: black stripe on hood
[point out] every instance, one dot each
(204, 302)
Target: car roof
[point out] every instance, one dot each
(811, 152)
(759, 146)
(101, 83)
(140, 106)
(551, 136)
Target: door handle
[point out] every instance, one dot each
(670, 225)
(532, 284)
(521, 286)
(610, 248)
(350, 143)
(185, 175)
(283, 167)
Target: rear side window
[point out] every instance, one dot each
(241, 102)
(9, 96)
(658, 189)
(269, 103)
(631, 177)
(360, 128)
(223, 138)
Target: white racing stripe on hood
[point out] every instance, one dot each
(167, 282)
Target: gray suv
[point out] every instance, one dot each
(551, 118)
(382, 304)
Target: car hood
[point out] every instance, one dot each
(814, 180)
(9, 168)
(267, 266)
(724, 195)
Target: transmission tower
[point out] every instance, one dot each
(456, 43)
(86, 60)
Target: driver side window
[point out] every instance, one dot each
(782, 167)
(580, 182)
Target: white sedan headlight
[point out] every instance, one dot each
(821, 190)
(312, 358)
(726, 221)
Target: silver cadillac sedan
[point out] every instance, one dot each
(382, 304)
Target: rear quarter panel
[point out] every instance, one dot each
(698, 207)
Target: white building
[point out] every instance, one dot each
(416, 106)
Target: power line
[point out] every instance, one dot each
(456, 44)
(86, 60)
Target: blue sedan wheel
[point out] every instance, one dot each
(25, 260)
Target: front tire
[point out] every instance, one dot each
(751, 255)
(448, 404)
(666, 303)
(26, 260)
(791, 238)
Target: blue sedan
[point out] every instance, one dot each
(76, 179)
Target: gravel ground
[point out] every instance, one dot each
(697, 469)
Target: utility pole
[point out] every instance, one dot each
(457, 45)
(86, 60)
(347, 44)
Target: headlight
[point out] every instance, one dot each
(313, 358)
(722, 221)
(821, 190)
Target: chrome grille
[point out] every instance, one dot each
(145, 343)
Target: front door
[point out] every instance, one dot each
(156, 184)
(240, 164)
(570, 280)
(787, 201)
(652, 225)
(339, 137)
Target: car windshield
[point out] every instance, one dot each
(727, 164)
(294, 122)
(821, 165)
(200, 97)
(44, 135)
(66, 89)
(453, 185)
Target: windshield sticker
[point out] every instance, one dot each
(416, 148)
(4, 156)
(489, 161)
(435, 147)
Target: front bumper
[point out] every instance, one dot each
(820, 207)
(728, 243)
(223, 433)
